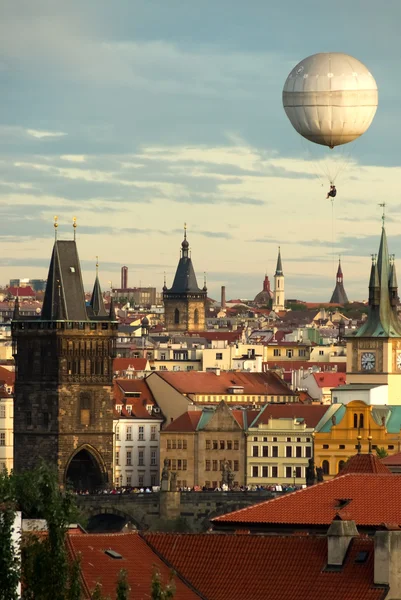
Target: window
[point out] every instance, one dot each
(390, 447)
(236, 465)
(215, 466)
(265, 472)
(174, 464)
(117, 458)
(176, 316)
(141, 461)
(236, 445)
(321, 352)
(28, 418)
(276, 352)
(288, 472)
(85, 406)
(274, 471)
(219, 356)
(184, 444)
(129, 458)
(153, 479)
(288, 451)
(179, 444)
(308, 439)
(298, 451)
(308, 452)
(255, 471)
(341, 465)
(2, 412)
(361, 421)
(215, 445)
(341, 447)
(355, 421)
(174, 443)
(325, 446)
(290, 353)
(265, 451)
(141, 479)
(129, 480)
(207, 465)
(153, 433)
(265, 439)
(208, 444)
(129, 408)
(45, 419)
(141, 435)
(179, 465)
(119, 408)
(196, 316)
(275, 451)
(222, 445)
(298, 472)
(2, 439)
(288, 439)
(274, 439)
(255, 451)
(153, 458)
(229, 445)
(302, 353)
(118, 433)
(129, 434)
(168, 444)
(326, 467)
(298, 439)
(255, 439)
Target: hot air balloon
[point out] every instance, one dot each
(330, 99)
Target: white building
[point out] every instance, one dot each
(6, 431)
(137, 426)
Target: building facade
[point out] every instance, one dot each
(6, 431)
(63, 404)
(184, 302)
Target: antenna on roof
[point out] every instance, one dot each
(74, 224)
(55, 227)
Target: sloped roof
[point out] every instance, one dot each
(310, 413)
(363, 463)
(235, 567)
(339, 295)
(22, 292)
(328, 379)
(137, 558)
(372, 499)
(203, 382)
(124, 387)
(393, 460)
(123, 364)
(7, 376)
(97, 303)
(186, 422)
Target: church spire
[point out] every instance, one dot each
(96, 302)
(279, 266)
(339, 295)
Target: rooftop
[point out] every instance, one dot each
(310, 413)
(363, 463)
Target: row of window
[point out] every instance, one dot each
(290, 451)
(266, 471)
(141, 458)
(44, 419)
(216, 465)
(342, 446)
(217, 484)
(175, 444)
(222, 444)
(178, 464)
(3, 413)
(141, 433)
(249, 399)
(119, 480)
(290, 352)
(275, 439)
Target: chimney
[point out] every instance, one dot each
(339, 536)
(124, 278)
(388, 561)
(223, 296)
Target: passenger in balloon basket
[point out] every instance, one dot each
(332, 193)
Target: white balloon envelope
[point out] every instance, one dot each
(330, 98)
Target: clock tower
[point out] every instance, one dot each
(374, 351)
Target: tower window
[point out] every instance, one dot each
(361, 421)
(176, 316)
(84, 405)
(196, 316)
(355, 421)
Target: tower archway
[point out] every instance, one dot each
(85, 470)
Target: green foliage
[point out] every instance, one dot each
(381, 452)
(9, 555)
(123, 589)
(74, 581)
(160, 591)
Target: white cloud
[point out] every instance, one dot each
(75, 158)
(40, 134)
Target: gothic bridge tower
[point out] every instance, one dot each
(63, 405)
(185, 302)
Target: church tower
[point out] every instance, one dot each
(339, 296)
(279, 293)
(184, 302)
(374, 352)
(63, 404)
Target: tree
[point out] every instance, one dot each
(381, 452)
(159, 591)
(10, 571)
(123, 589)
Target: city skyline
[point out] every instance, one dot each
(141, 118)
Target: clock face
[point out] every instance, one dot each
(368, 361)
(399, 361)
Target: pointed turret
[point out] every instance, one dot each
(382, 319)
(279, 266)
(339, 295)
(97, 303)
(16, 309)
(112, 311)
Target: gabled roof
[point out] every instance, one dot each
(311, 414)
(137, 558)
(331, 380)
(239, 567)
(363, 463)
(122, 390)
(186, 422)
(64, 297)
(21, 292)
(204, 382)
(372, 499)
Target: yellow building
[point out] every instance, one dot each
(6, 431)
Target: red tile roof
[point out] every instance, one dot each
(122, 364)
(363, 463)
(394, 459)
(7, 376)
(373, 500)
(124, 387)
(138, 560)
(22, 292)
(330, 380)
(186, 422)
(202, 382)
(238, 567)
(310, 413)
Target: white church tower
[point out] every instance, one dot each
(279, 294)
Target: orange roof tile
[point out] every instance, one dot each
(122, 390)
(137, 558)
(235, 567)
(363, 463)
(394, 459)
(331, 380)
(203, 382)
(188, 421)
(7, 376)
(122, 364)
(373, 499)
(310, 413)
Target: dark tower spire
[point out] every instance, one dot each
(96, 302)
(279, 266)
(374, 283)
(339, 296)
(112, 311)
(393, 285)
(16, 309)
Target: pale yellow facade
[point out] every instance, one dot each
(278, 452)
(287, 351)
(6, 433)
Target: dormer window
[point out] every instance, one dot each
(119, 408)
(129, 409)
(149, 408)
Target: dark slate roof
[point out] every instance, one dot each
(279, 266)
(96, 303)
(185, 278)
(339, 295)
(64, 297)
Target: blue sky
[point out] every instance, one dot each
(136, 116)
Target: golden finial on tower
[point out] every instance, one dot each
(74, 224)
(185, 231)
(55, 227)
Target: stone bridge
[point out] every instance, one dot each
(110, 512)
